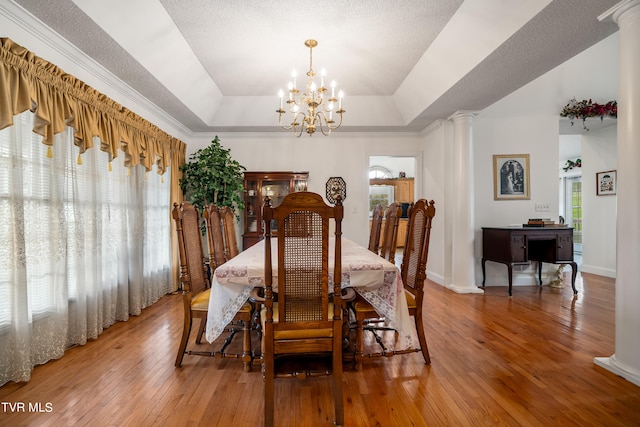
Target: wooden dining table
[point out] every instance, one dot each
(377, 280)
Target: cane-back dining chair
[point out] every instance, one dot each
(304, 325)
(413, 274)
(215, 234)
(376, 226)
(390, 232)
(196, 288)
(229, 226)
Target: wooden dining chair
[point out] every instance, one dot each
(376, 225)
(304, 325)
(215, 235)
(229, 226)
(413, 274)
(390, 232)
(196, 289)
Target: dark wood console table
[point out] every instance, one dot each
(519, 245)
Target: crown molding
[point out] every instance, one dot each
(616, 11)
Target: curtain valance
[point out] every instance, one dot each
(58, 99)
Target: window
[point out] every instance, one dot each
(81, 248)
(379, 172)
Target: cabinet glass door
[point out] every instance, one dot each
(252, 207)
(258, 186)
(276, 190)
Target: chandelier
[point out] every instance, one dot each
(312, 108)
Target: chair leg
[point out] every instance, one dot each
(186, 329)
(201, 328)
(359, 342)
(246, 345)
(421, 337)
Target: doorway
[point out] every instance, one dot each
(570, 187)
(391, 179)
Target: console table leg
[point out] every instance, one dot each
(484, 273)
(574, 273)
(510, 272)
(540, 272)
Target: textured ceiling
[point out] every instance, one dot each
(368, 46)
(218, 65)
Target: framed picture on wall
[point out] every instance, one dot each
(606, 183)
(511, 177)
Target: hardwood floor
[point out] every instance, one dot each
(526, 360)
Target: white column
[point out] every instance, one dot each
(463, 231)
(626, 360)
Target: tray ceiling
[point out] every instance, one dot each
(218, 66)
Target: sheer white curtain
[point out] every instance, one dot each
(81, 247)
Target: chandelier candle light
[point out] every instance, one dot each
(312, 108)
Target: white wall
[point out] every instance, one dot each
(599, 154)
(437, 164)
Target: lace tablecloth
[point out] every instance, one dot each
(374, 278)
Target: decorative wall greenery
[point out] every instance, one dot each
(581, 110)
(570, 164)
(212, 177)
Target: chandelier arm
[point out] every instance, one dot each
(324, 132)
(322, 118)
(328, 123)
(339, 112)
(294, 122)
(285, 127)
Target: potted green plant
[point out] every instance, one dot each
(212, 177)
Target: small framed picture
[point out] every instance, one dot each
(511, 177)
(606, 183)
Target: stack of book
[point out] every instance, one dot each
(542, 222)
(539, 222)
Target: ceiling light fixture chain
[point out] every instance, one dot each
(320, 107)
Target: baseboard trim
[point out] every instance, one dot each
(611, 365)
(606, 272)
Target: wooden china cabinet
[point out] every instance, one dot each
(257, 186)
